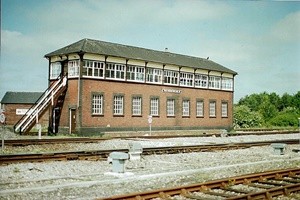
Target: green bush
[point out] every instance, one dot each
(285, 119)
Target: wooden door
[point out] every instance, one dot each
(72, 126)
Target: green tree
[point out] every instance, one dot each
(243, 117)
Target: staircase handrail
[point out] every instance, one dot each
(41, 99)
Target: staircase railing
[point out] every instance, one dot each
(40, 106)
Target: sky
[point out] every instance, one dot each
(260, 40)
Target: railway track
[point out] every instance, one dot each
(103, 154)
(263, 185)
(25, 142)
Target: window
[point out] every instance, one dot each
(200, 108)
(170, 77)
(97, 104)
(73, 68)
(154, 75)
(137, 106)
(55, 70)
(186, 79)
(115, 71)
(135, 73)
(118, 105)
(224, 109)
(170, 107)
(93, 69)
(227, 83)
(215, 82)
(154, 102)
(201, 80)
(212, 109)
(186, 108)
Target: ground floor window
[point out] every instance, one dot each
(199, 108)
(212, 109)
(224, 109)
(97, 104)
(137, 106)
(118, 105)
(170, 107)
(186, 108)
(154, 106)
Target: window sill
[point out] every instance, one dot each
(118, 115)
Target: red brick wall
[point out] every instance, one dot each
(12, 118)
(109, 88)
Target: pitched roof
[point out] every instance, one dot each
(137, 53)
(21, 97)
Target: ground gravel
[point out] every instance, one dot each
(94, 179)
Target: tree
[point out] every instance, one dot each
(243, 117)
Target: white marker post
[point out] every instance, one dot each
(2, 121)
(150, 122)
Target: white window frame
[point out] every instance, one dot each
(115, 71)
(55, 70)
(135, 73)
(201, 80)
(94, 69)
(154, 106)
(154, 75)
(171, 77)
(200, 108)
(212, 109)
(227, 83)
(73, 68)
(137, 106)
(214, 82)
(186, 79)
(186, 108)
(224, 109)
(170, 107)
(97, 104)
(118, 105)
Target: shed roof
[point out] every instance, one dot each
(137, 53)
(20, 97)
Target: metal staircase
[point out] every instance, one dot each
(52, 96)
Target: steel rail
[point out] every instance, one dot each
(224, 184)
(25, 142)
(103, 154)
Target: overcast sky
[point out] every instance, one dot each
(260, 40)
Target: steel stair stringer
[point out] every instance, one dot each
(33, 114)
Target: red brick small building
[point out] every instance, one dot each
(16, 104)
(111, 87)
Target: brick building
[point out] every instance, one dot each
(17, 104)
(117, 87)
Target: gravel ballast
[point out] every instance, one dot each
(94, 179)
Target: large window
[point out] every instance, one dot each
(135, 73)
(73, 68)
(154, 75)
(199, 108)
(186, 79)
(137, 106)
(154, 109)
(215, 82)
(227, 83)
(115, 71)
(212, 109)
(186, 108)
(97, 104)
(170, 107)
(224, 109)
(170, 77)
(93, 69)
(201, 80)
(118, 105)
(55, 70)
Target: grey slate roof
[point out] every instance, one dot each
(130, 52)
(21, 97)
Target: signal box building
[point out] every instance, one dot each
(109, 87)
